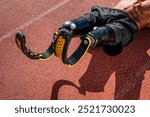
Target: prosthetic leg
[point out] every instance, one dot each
(70, 29)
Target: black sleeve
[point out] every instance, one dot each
(123, 26)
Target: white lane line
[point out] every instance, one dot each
(26, 24)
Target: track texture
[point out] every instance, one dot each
(97, 76)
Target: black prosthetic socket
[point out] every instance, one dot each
(101, 36)
(79, 27)
(122, 36)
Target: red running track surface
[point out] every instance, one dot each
(96, 76)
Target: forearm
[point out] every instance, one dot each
(138, 10)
